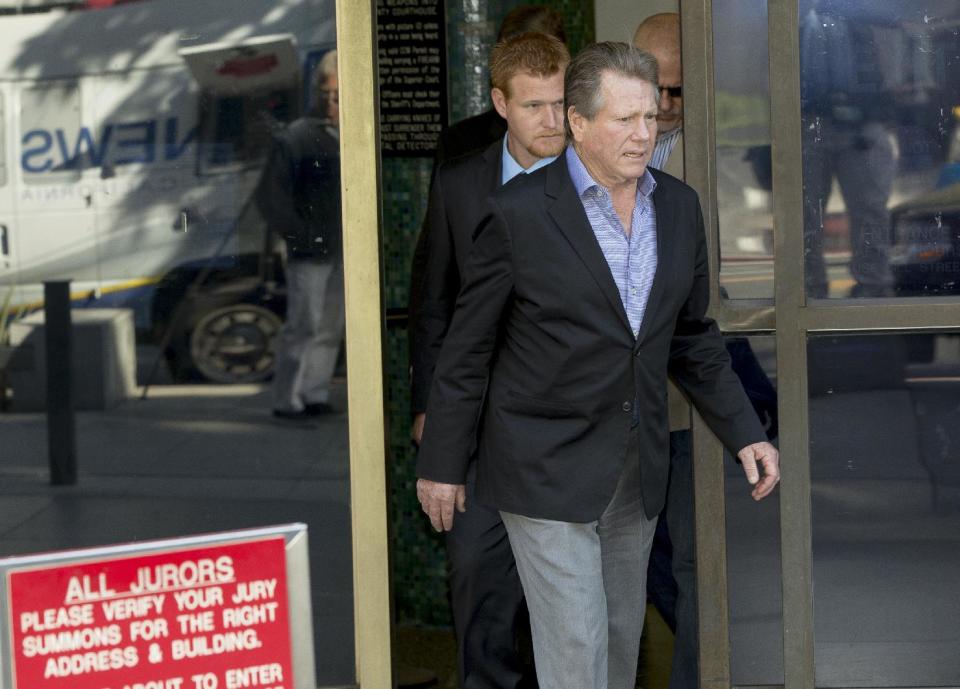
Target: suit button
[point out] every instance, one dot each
(627, 406)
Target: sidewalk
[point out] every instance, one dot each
(193, 459)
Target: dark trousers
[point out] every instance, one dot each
(672, 574)
(488, 607)
(863, 159)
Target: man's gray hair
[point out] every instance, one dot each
(328, 64)
(584, 75)
(326, 68)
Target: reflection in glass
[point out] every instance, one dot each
(742, 95)
(299, 195)
(179, 163)
(45, 109)
(753, 536)
(879, 88)
(884, 440)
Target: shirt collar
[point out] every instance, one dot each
(582, 181)
(672, 134)
(511, 168)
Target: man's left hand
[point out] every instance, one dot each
(766, 456)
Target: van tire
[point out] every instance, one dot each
(235, 344)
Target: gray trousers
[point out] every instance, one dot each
(585, 586)
(308, 344)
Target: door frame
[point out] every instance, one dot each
(365, 325)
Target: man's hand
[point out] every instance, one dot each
(416, 430)
(438, 500)
(768, 458)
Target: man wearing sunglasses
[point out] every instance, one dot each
(659, 35)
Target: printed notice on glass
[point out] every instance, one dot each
(214, 617)
(411, 43)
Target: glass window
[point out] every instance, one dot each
(879, 94)
(250, 89)
(884, 439)
(235, 130)
(742, 99)
(55, 145)
(753, 535)
(208, 313)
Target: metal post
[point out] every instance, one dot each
(61, 426)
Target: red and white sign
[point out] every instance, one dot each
(213, 617)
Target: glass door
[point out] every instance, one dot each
(845, 153)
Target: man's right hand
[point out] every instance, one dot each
(438, 501)
(416, 431)
(768, 458)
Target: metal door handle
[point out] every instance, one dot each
(4, 241)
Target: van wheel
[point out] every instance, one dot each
(234, 344)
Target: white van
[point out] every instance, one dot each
(131, 139)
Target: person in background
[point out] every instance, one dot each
(845, 111)
(471, 135)
(527, 76)
(299, 196)
(659, 35)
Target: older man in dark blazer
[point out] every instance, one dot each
(586, 285)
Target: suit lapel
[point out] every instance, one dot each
(487, 173)
(664, 209)
(567, 212)
(493, 167)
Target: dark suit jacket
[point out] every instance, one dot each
(299, 192)
(456, 207)
(471, 135)
(540, 362)
(465, 138)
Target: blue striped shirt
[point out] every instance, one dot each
(632, 258)
(664, 147)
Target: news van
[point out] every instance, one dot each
(131, 141)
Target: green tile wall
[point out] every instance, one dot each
(419, 564)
